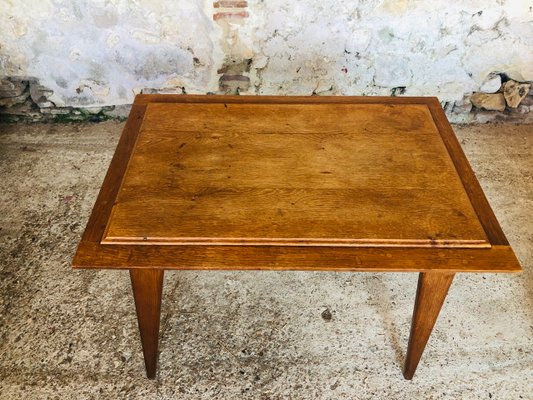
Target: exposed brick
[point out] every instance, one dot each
(230, 4)
(242, 78)
(233, 84)
(235, 67)
(228, 15)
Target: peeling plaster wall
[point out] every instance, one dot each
(96, 52)
(92, 53)
(429, 47)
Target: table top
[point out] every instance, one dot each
(325, 183)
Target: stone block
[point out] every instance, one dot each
(26, 109)
(11, 101)
(120, 111)
(463, 106)
(523, 109)
(491, 102)
(61, 111)
(39, 94)
(527, 101)
(515, 92)
(12, 88)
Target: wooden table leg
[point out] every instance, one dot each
(430, 295)
(147, 287)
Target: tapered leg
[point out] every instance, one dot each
(430, 295)
(147, 287)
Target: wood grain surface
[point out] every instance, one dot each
(147, 286)
(430, 296)
(91, 253)
(292, 174)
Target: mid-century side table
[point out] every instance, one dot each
(291, 183)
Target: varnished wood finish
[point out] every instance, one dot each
(292, 183)
(147, 287)
(92, 254)
(470, 182)
(104, 202)
(430, 295)
(305, 258)
(292, 175)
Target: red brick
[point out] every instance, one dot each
(230, 4)
(221, 15)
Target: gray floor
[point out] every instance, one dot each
(68, 334)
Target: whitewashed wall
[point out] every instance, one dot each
(101, 52)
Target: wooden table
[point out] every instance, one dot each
(291, 183)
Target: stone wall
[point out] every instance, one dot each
(88, 58)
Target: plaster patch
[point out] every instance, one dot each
(112, 40)
(392, 70)
(395, 6)
(342, 47)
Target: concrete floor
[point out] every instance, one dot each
(68, 334)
